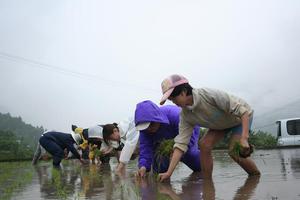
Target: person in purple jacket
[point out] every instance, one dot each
(156, 124)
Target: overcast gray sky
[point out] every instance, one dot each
(89, 62)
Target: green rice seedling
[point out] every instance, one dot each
(239, 151)
(164, 150)
(58, 184)
(98, 153)
(237, 147)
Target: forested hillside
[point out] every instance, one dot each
(17, 139)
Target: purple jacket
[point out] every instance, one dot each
(168, 117)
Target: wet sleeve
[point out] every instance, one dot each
(132, 137)
(146, 151)
(185, 132)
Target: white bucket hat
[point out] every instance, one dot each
(142, 126)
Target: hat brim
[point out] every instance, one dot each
(142, 126)
(166, 96)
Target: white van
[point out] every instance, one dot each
(288, 132)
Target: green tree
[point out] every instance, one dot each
(18, 140)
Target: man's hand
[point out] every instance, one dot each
(246, 148)
(163, 176)
(177, 154)
(141, 172)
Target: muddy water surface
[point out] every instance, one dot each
(280, 179)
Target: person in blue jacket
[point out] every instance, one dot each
(55, 143)
(155, 125)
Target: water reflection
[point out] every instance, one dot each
(280, 179)
(290, 162)
(149, 188)
(44, 181)
(192, 188)
(94, 182)
(247, 190)
(90, 181)
(55, 182)
(74, 181)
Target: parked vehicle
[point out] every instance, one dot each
(288, 132)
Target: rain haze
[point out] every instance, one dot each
(90, 62)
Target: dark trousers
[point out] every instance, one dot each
(54, 149)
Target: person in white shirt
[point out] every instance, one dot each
(123, 137)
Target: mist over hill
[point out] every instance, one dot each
(25, 133)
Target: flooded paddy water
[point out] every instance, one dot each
(280, 179)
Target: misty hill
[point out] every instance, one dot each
(266, 121)
(25, 133)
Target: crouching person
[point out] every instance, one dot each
(155, 125)
(55, 143)
(123, 138)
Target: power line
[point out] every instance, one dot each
(61, 70)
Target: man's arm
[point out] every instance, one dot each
(177, 154)
(180, 147)
(245, 130)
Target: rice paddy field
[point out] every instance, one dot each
(280, 179)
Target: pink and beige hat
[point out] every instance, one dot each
(168, 85)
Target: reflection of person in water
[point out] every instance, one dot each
(53, 183)
(91, 181)
(107, 180)
(124, 188)
(246, 191)
(147, 187)
(191, 189)
(44, 180)
(150, 189)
